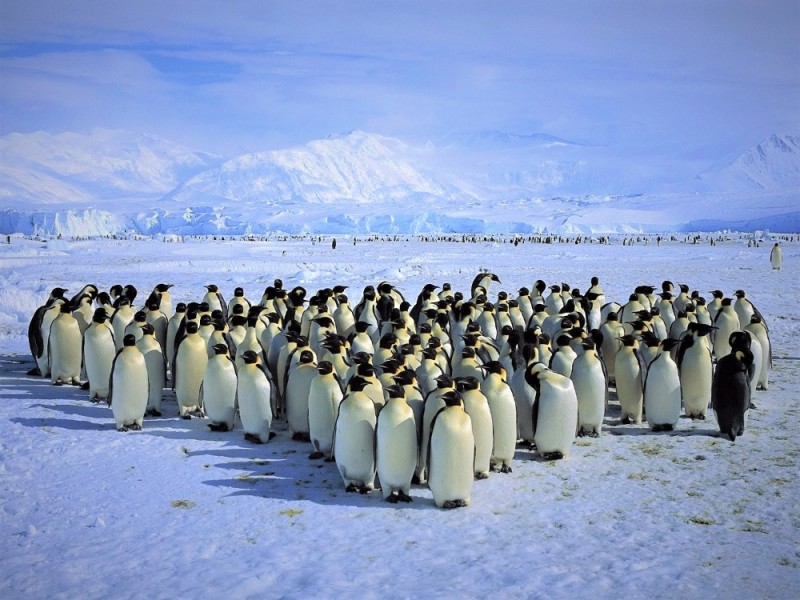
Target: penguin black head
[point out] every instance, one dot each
(153, 306)
(595, 280)
(362, 326)
(66, 308)
(727, 301)
(115, 290)
(273, 317)
(464, 384)
(451, 398)
(206, 320)
(219, 325)
(468, 352)
(628, 340)
(204, 307)
(405, 377)
(588, 344)
(129, 340)
(220, 348)
(684, 288)
(250, 357)
(238, 292)
(324, 367)
(148, 329)
(739, 293)
(238, 309)
(429, 353)
(99, 315)
(444, 381)
(540, 286)
(739, 340)
(140, 317)
(563, 340)
(358, 383)
(669, 343)
(278, 284)
(717, 294)
(365, 369)
(362, 358)
(666, 286)
(212, 288)
(181, 307)
(387, 341)
(493, 366)
(129, 292)
(435, 343)
(238, 321)
(163, 287)
(755, 318)
(702, 328)
(191, 327)
(523, 291)
(306, 357)
(666, 295)
(395, 391)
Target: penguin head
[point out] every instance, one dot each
(250, 357)
(238, 292)
(278, 284)
(739, 293)
(595, 281)
(563, 340)
(387, 341)
(324, 367)
(99, 315)
(191, 327)
(358, 383)
(739, 340)
(669, 343)
(684, 288)
(204, 307)
(532, 374)
(129, 340)
(362, 326)
(148, 329)
(727, 301)
(703, 329)
(153, 306)
(405, 377)
(365, 370)
(180, 308)
(395, 391)
(212, 288)
(163, 287)
(220, 348)
(468, 352)
(666, 286)
(755, 318)
(444, 381)
(306, 357)
(629, 341)
(451, 398)
(493, 366)
(588, 344)
(140, 316)
(206, 320)
(238, 309)
(362, 358)
(464, 384)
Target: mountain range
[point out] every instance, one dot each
(108, 182)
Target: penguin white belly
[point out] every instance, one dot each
(254, 403)
(297, 396)
(396, 448)
(590, 388)
(323, 405)
(433, 403)
(354, 444)
(43, 360)
(452, 451)
(219, 391)
(524, 397)
(629, 386)
(696, 374)
(130, 389)
(662, 394)
(190, 364)
(504, 427)
(482, 432)
(758, 358)
(65, 350)
(154, 360)
(558, 417)
(99, 350)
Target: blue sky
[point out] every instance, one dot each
(696, 78)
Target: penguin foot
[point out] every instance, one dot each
(135, 427)
(58, 383)
(272, 434)
(732, 436)
(186, 417)
(393, 498)
(351, 488)
(301, 436)
(403, 497)
(594, 434)
(365, 489)
(96, 400)
(524, 444)
(154, 413)
(34, 372)
(553, 455)
(454, 504)
(316, 455)
(581, 433)
(481, 476)
(85, 386)
(252, 437)
(330, 458)
(505, 469)
(122, 429)
(753, 406)
(218, 426)
(415, 479)
(626, 420)
(76, 383)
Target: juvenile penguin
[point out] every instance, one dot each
(504, 415)
(451, 454)
(156, 368)
(253, 390)
(354, 438)
(99, 350)
(191, 358)
(555, 411)
(396, 446)
(591, 388)
(477, 407)
(662, 390)
(64, 348)
(129, 387)
(629, 374)
(218, 391)
(298, 387)
(324, 397)
(695, 367)
(730, 392)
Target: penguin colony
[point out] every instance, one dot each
(441, 390)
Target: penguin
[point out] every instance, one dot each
(776, 257)
(451, 454)
(591, 388)
(215, 300)
(37, 331)
(396, 447)
(129, 387)
(477, 407)
(629, 370)
(555, 411)
(173, 326)
(759, 331)
(695, 367)
(156, 369)
(482, 282)
(238, 300)
(730, 392)
(524, 395)
(434, 402)
(343, 316)
(99, 350)
(744, 308)
(324, 396)
(564, 356)
(407, 379)
(298, 386)
(164, 296)
(191, 359)
(253, 391)
(82, 311)
(122, 317)
(726, 322)
(135, 326)
(360, 340)
(662, 390)
(504, 415)
(218, 391)
(354, 438)
(155, 317)
(64, 348)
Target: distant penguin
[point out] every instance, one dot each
(219, 390)
(129, 387)
(758, 330)
(191, 358)
(504, 415)
(354, 438)
(324, 396)
(156, 368)
(298, 386)
(451, 454)
(695, 367)
(630, 371)
(98, 355)
(776, 257)
(253, 391)
(396, 446)
(65, 348)
(730, 392)
(555, 411)
(477, 407)
(662, 390)
(591, 388)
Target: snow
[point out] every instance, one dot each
(177, 511)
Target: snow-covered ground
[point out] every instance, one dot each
(176, 511)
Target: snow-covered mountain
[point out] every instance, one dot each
(772, 164)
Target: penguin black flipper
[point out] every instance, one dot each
(35, 340)
(111, 377)
(687, 342)
(430, 437)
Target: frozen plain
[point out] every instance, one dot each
(176, 511)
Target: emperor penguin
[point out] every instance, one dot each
(396, 447)
(83, 312)
(611, 331)
(99, 350)
(354, 438)
(554, 302)
(451, 454)
(591, 388)
(695, 367)
(758, 329)
(298, 386)
(164, 296)
(504, 415)
(564, 356)
(215, 300)
(173, 326)
(238, 299)
(716, 304)
(434, 402)
(744, 308)
(218, 391)
(155, 317)
(730, 392)
(135, 326)
(37, 331)
(776, 257)
(64, 348)
(343, 316)
(662, 390)
(122, 318)
(726, 322)
(555, 411)
(324, 396)
(482, 281)
(156, 368)
(129, 388)
(253, 391)
(477, 407)
(191, 358)
(629, 370)
(360, 340)
(524, 395)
